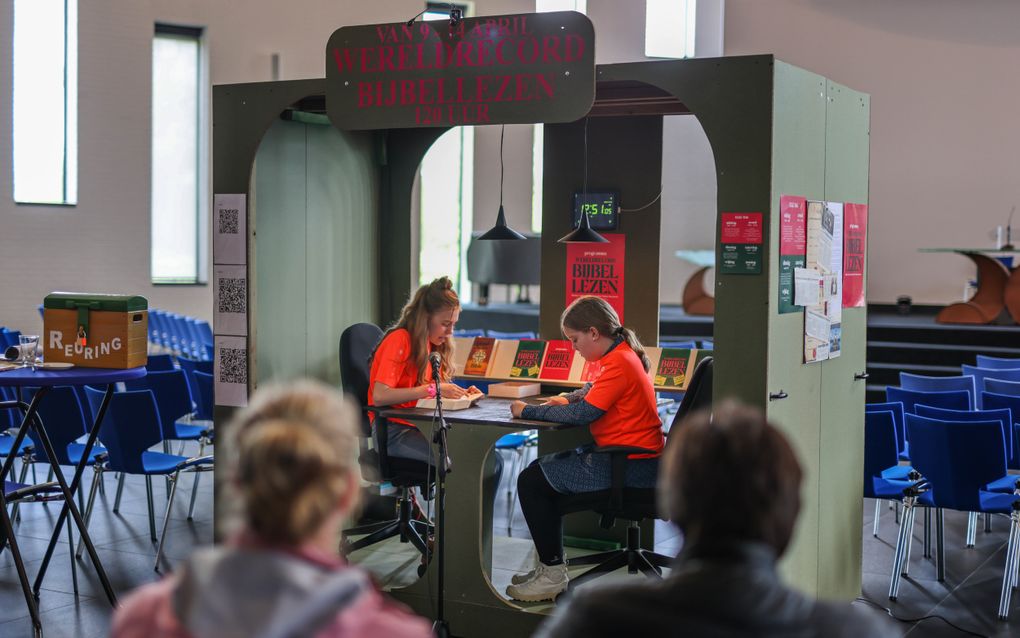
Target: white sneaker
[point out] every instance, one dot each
(548, 582)
(519, 579)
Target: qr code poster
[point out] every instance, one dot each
(230, 303)
(230, 371)
(230, 229)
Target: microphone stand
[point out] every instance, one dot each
(441, 627)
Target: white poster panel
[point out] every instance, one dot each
(230, 300)
(230, 371)
(230, 229)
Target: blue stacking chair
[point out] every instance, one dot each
(469, 332)
(205, 339)
(10, 337)
(957, 459)
(922, 383)
(1001, 363)
(983, 375)
(998, 386)
(896, 407)
(153, 328)
(516, 443)
(159, 362)
(190, 366)
(159, 317)
(690, 345)
(203, 396)
(496, 334)
(881, 455)
(173, 399)
(194, 338)
(995, 401)
(951, 400)
(706, 344)
(131, 426)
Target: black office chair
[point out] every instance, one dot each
(356, 345)
(636, 505)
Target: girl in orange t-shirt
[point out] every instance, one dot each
(620, 409)
(400, 372)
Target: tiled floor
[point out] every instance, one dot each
(968, 598)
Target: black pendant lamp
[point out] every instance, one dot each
(501, 230)
(583, 234)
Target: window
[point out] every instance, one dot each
(45, 105)
(179, 209)
(669, 28)
(447, 211)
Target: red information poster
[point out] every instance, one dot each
(741, 236)
(855, 241)
(792, 247)
(597, 269)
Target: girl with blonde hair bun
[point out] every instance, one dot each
(294, 474)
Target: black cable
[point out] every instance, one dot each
(502, 129)
(634, 210)
(584, 187)
(914, 621)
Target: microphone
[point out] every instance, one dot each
(436, 360)
(411, 21)
(1009, 224)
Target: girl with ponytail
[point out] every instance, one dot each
(400, 371)
(620, 409)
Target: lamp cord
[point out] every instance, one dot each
(502, 129)
(584, 187)
(633, 210)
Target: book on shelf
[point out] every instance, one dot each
(559, 357)
(461, 349)
(527, 360)
(479, 357)
(502, 358)
(451, 404)
(514, 389)
(672, 370)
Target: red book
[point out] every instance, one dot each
(559, 355)
(477, 363)
(591, 371)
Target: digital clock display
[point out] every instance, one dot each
(602, 210)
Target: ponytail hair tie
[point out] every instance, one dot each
(620, 331)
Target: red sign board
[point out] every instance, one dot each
(486, 70)
(855, 247)
(597, 269)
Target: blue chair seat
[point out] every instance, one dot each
(75, 450)
(1006, 484)
(161, 463)
(991, 502)
(7, 442)
(189, 432)
(897, 472)
(511, 441)
(889, 489)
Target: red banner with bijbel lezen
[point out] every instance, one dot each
(855, 247)
(597, 269)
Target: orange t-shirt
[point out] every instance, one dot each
(393, 366)
(624, 391)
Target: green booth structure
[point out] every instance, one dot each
(329, 243)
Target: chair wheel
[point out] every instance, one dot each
(422, 568)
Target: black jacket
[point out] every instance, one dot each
(719, 592)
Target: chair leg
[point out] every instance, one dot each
(74, 563)
(120, 492)
(927, 532)
(166, 517)
(896, 508)
(878, 508)
(910, 539)
(901, 549)
(96, 478)
(940, 546)
(194, 493)
(17, 504)
(152, 518)
(1011, 566)
(988, 522)
(971, 529)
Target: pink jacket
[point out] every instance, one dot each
(221, 590)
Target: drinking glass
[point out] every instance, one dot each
(26, 347)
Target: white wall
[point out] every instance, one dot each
(944, 144)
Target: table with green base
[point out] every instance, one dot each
(998, 288)
(473, 607)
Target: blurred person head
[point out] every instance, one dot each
(294, 463)
(730, 475)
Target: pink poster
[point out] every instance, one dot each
(855, 243)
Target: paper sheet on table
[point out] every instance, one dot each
(807, 284)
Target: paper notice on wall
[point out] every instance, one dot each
(807, 287)
(792, 248)
(230, 229)
(230, 300)
(230, 371)
(819, 237)
(816, 336)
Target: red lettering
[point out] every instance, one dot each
(500, 54)
(343, 60)
(386, 59)
(551, 49)
(545, 83)
(482, 116)
(425, 91)
(407, 95)
(521, 51)
(484, 53)
(482, 87)
(574, 48)
(365, 95)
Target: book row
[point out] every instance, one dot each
(555, 361)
